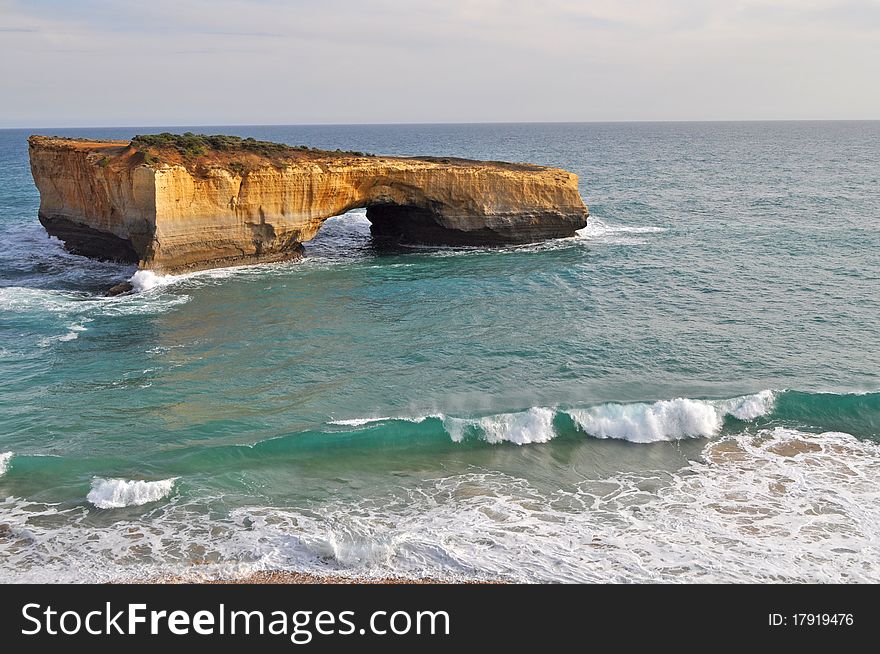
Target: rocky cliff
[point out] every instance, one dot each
(173, 203)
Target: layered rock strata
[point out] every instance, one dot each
(172, 210)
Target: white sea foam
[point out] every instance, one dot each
(758, 508)
(358, 422)
(773, 506)
(144, 281)
(72, 334)
(118, 493)
(71, 311)
(82, 307)
(532, 426)
(668, 420)
(664, 420)
(5, 458)
(21, 299)
(147, 280)
(645, 423)
(599, 229)
(748, 407)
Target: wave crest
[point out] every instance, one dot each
(119, 493)
(668, 420)
(664, 420)
(5, 458)
(358, 422)
(532, 426)
(748, 407)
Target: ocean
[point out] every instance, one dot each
(688, 391)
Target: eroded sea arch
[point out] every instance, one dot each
(171, 209)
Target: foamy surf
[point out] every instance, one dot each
(748, 407)
(362, 422)
(73, 332)
(22, 299)
(758, 507)
(119, 493)
(532, 426)
(599, 229)
(764, 507)
(668, 420)
(5, 458)
(146, 280)
(358, 422)
(76, 308)
(664, 420)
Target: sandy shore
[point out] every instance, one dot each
(293, 578)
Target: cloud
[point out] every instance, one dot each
(272, 61)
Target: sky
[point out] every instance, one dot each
(68, 63)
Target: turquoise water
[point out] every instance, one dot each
(687, 391)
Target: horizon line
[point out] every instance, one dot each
(432, 123)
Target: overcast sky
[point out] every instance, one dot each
(202, 62)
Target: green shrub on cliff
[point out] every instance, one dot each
(238, 168)
(194, 145)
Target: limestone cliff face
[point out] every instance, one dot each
(98, 210)
(111, 200)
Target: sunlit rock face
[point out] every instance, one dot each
(173, 211)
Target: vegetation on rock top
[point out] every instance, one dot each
(196, 145)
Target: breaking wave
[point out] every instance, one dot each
(649, 422)
(532, 426)
(668, 420)
(5, 458)
(757, 507)
(358, 422)
(664, 420)
(119, 493)
(147, 280)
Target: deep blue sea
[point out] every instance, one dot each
(689, 390)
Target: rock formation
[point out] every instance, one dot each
(174, 203)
